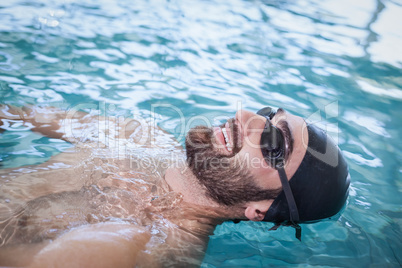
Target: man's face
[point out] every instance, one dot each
(228, 159)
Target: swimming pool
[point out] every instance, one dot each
(334, 62)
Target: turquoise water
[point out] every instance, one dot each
(338, 63)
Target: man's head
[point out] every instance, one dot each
(213, 159)
(238, 168)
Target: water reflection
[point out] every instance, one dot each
(207, 56)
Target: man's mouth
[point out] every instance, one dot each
(224, 136)
(228, 137)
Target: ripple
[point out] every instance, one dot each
(44, 58)
(210, 58)
(367, 122)
(386, 26)
(382, 92)
(360, 160)
(41, 96)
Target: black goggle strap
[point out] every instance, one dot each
(269, 113)
(293, 211)
(294, 225)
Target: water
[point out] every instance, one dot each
(335, 62)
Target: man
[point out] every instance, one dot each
(94, 205)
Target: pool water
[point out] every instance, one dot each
(337, 63)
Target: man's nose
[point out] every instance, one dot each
(250, 122)
(242, 116)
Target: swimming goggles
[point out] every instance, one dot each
(273, 148)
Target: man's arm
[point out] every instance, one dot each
(46, 120)
(62, 172)
(48, 177)
(76, 126)
(94, 245)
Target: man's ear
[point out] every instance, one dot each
(255, 211)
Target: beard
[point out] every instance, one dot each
(226, 178)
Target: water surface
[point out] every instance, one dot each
(337, 63)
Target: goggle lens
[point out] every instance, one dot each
(272, 140)
(267, 112)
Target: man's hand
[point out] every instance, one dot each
(76, 126)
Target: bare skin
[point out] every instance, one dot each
(106, 202)
(152, 214)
